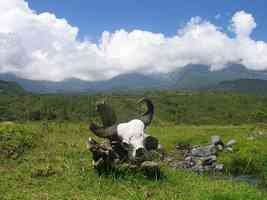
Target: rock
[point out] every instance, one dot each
(204, 151)
(199, 169)
(216, 140)
(202, 159)
(188, 158)
(168, 159)
(229, 149)
(205, 161)
(251, 138)
(231, 143)
(207, 168)
(261, 133)
(183, 147)
(219, 167)
(219, 147)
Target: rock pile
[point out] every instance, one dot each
(115, 155)
(203, 158)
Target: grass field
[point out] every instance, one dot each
(50, 161)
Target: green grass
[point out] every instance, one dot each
(58, 166)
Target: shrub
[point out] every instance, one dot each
(14, 140)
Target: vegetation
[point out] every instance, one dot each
(14, 140)
(59, 166)
(43, 153)
(253, 86)
(171, 107)
(10, 88)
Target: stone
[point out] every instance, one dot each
(199, 169)
(205, 161)
(188, 158)
(219, 167)
(260, 133)
(183, 147)
(251, 138)
(204, 151)
(219, 147)
(215, 140)
(229, 149)
(230, 143)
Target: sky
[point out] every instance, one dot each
(98, 40)
(93, 17)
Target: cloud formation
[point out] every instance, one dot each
(44, 47)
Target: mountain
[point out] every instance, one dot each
(126, 82)
(254, 86)
(11, 88)
(195, 77)
(191, 77)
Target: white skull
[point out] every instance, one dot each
(132, 133)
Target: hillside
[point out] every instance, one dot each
(191, 77)
(254, 86)
(10, 88)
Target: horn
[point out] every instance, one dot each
(108, 117)
(147, 117)
(109, 132)
(107, 114)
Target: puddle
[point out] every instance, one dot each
(252, 180)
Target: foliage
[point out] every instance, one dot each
(10, 88)
(59, 167)
(14, 140)
(171, 107)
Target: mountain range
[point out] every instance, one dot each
(254, 86)
(191, 77)
(11, 88)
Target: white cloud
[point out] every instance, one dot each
(243, 24)
(43, 47)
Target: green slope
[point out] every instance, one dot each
(254, 86)
(10, 88)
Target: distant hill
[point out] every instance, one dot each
(191, 78)
(195, 77)
(254, 86)
(11, 88)
(127, 82)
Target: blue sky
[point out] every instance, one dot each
(94, 16)
(98, 40)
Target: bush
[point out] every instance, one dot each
(260, 116)
(14, 140)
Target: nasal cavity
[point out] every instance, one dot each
(140, 153)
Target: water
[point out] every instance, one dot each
(252, 180)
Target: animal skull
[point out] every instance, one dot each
(131, 132)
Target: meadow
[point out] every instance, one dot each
(48, 158)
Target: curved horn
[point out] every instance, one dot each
(108, 117)
(109, 132)
(147, 117)
(107, 114)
